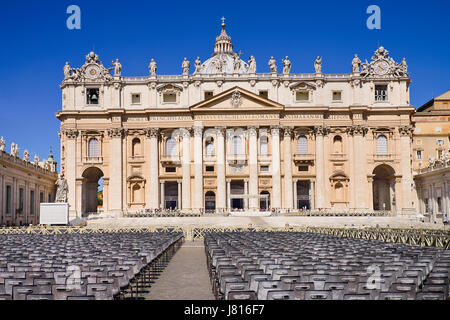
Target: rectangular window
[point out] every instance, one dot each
(41, 197)
(381, 93)
(302, 168)
(209, 168)
(419, 154)
(135, 98)
(208, 95)
(169, 98)
(302, 96)
(49, 198)
(264, 168)
(440, 154)
(32, 202)
(171, 169)
(21, 199)
(92, 96)
(8, 199)
(264, 94)
(440, 142)
(427, 206)
(439, 204)
(337, 96)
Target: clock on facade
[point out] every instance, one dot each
(381, 67)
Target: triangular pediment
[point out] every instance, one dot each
(237, 99)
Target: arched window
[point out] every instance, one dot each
(382, 145)
(302, 145)
(136, 147)
(93, 148)
(171, 147)
(209, 148)
(337, 144)
(236, 146)
(263, 145)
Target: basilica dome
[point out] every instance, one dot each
(224, 60)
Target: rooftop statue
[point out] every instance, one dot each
(272, 65)
(356, 63)
(152, 67)
(117, 68)
(252, 65)
(236, 63)
(318, 65)
(67, 71)
(198, 65)
(26, 155)
(36, 160)
(185, 65)
(286, 65)
(2, 144)
(14, 150)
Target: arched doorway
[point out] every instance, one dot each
(264, 200)
(383, 188)
(91, 192)
(210, 201)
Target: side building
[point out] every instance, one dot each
(23, 186)
(431, 157)
(228, 138)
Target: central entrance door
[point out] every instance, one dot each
(237, 194)
(303, 198)
(170, 195)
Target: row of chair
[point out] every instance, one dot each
(307, 266)
(81, 266)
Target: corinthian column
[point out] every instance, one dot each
(288, 202)
(221, 184)
(320, 132)
(253, 169)
(359, 171)
(407, 180)
(186, 167)
(70, 171)
(152, 194)
(198, 168)
(115, 190)
(276, 166)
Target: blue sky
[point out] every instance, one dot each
(36, 43)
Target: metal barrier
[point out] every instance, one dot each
(411, 236)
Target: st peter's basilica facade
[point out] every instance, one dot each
(224, 137)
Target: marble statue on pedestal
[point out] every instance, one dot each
(185, 65)
(272, 65)
(286, 65)
(62, 189)
(14, 150)
(36, 160)
(152, 67)
(117, 68)
(236, 63)
(318, 64)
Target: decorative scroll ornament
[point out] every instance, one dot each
(383, 66)
(152, 132)
(321, 130)
(71, 133)
(236, 99)
(406, 130)
(357, 130)
(116, 132)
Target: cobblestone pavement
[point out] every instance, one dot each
(185, 277)
(279, 221)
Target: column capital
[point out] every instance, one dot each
(152, 132)
(275, 130)
(220, 131)
(288, 131)
(252, 130)
(71, 133)
(116, 132)
(186, 132)
(321, 130)
(355, 130)
(198, 131)
(228, 180)
(406, 130)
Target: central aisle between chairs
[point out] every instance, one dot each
(185, 277)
